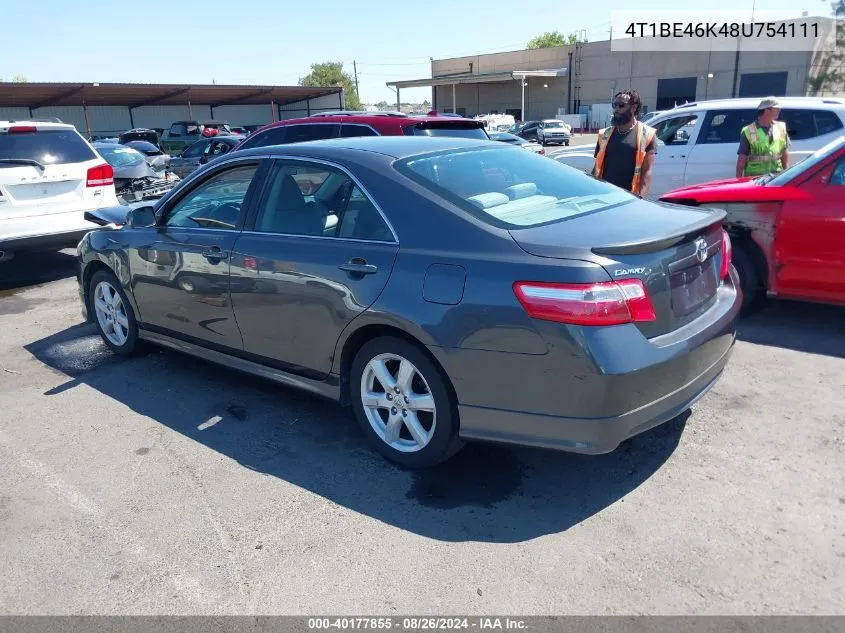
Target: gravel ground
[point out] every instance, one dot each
(165, 485)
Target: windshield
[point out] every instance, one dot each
(507, 138)
(120, 157)
(553, 124)
(511, 188)
(803, 166)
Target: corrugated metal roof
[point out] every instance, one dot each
(38, 95)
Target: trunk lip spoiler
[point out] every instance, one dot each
(662, 242)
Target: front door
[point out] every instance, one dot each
(675, 138)
(810, 238)
(317, 254)
(181, 273)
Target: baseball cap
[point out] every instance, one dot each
(768, 102)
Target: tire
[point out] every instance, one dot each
(438, 429)
(753, 294)
(566, 143)
(122, 336)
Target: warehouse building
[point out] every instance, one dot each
(107, 109)
(547, 82)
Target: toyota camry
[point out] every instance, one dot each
(446, 289)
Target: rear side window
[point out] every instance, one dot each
(445, 129)
(48, 147)
(273, 136)
(724, 126)
(804, 124)
(311, 132)
(348, 130)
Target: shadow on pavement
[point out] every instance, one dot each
(31, 269)
(485, 493)
(804, 327)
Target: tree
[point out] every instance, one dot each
(330, 74)
(554, 38)
(19, 79)
(382, 105)
(827, 69)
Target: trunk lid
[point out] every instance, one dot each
(28, 188)
(674, 250)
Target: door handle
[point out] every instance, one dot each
(215, 253)
(359, 266)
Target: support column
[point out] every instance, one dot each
(522, 109)
(398, 102)
(273, 111)
(131, 119)
(454, 102)
(87, 122)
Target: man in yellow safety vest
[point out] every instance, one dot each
(763, 145)
(625, 151)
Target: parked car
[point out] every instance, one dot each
(49, 176)
(184, 133)
(285, 262)
(787, 230)
(553, 131)
(697, 142)
(513, 139)
(201, 152)
(135, 178)
(343, 125)
(528, 130)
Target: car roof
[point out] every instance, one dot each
(744, 103)
(397, 147)
(371, 118)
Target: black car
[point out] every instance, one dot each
(201, 152)
(448, 289)
(528, 130)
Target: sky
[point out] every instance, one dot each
(250, 42)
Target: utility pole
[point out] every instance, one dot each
(355, 70)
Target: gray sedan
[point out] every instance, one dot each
(446, 289)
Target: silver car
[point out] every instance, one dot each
(552, 131)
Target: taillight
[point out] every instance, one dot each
(727, 255)
(22, 129)
(100, 176)
(603, 303)
(542, 152)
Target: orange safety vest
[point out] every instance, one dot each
(645, 134)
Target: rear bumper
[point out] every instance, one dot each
(584, 435)
(595, 387)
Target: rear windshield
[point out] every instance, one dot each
(48, 147)
(445, 129)
(120, 156)
(511, 188)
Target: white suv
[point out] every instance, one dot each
(697, 142)
(553, 131)
(49, 177)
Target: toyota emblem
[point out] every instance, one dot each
(701, 249)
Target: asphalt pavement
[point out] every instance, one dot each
(163, 484)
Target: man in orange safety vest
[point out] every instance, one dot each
(625, 151)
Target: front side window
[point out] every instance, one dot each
(677, 130)
(311, 132)
(509, 187)
(196, 150)
(215, 203)
(177, 129)
(318, 200)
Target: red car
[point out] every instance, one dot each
(345, 124)
(787, 230)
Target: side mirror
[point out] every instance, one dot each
(142, 217)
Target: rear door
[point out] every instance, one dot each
(810, 238)
(317, 254)
(49, 176)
